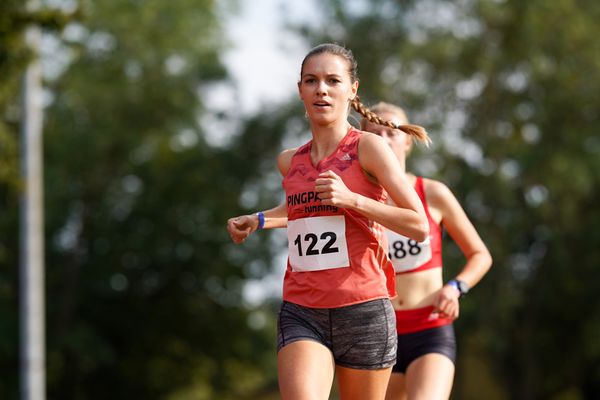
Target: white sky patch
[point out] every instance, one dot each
(263, 63)
(471, 88)
(55, 57)
(265, 60)
(457, 144)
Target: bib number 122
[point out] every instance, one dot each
(311, 239)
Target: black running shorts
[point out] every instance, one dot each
(440, 340)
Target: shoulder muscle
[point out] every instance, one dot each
(284, 160)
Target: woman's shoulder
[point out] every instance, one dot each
(288, 153)
(370, 142)
(436, 190)
(438, 194)
(368, 137)
(284, 160)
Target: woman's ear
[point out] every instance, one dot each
(354, 90)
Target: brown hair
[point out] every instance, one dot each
(370, 115)
(331, 48)
(336, 50)
(387, 108)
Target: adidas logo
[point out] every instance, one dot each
(345, 157)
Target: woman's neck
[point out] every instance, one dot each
(327, 138)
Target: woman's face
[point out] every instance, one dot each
(399, 141)
(326, 89)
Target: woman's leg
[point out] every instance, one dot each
(359, 384)
(364, 344)
(305, 370)
(396, 389)
(430, 377)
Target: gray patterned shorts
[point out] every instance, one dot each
(360, 336)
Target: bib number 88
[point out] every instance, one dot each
(398, 249)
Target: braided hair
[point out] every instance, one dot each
(418, 132)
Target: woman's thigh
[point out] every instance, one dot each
(360, 384)
(430, 377)
(396, 389)
(305, 369)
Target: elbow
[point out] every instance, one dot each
(488, 259)
(485, 260)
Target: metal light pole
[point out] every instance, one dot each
(31, 294)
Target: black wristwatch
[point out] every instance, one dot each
(461, 286)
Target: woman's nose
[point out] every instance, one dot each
(321, 87)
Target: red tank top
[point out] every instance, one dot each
(408, 255)
(335, 256)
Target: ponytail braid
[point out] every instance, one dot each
(413, 130)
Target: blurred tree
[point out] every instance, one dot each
(14, 55)
(510, 91)
(13, 58)
(144, 289)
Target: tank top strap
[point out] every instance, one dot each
(420, 189)
(303, 150)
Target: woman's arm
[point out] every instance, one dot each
(461, 230)
(377, 159)
(241, 227)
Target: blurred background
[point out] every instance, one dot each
(164, 118)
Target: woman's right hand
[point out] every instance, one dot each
(447, 303)
(241, 227)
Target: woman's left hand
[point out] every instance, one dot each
(333, 191)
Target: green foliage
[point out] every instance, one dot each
(144, 288)
(14, 56)
(150, 287)
(510, 92)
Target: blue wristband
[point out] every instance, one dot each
(454, 284)
(261, 220)
(460, 286)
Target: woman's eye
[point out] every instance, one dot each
(333, 80)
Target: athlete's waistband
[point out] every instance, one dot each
(418, 319)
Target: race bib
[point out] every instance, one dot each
(318, 243)
(407, 254)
